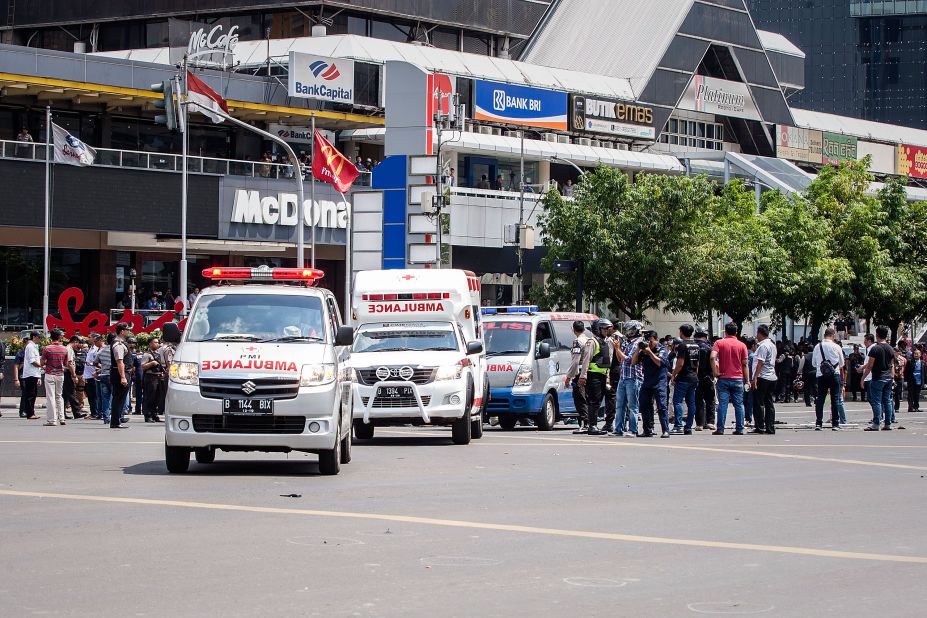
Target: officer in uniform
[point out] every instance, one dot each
(579, 357)
(614, 376)
(594, 374)
(705, 396)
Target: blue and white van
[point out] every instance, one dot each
(527, 359)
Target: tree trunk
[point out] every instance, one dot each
(893, 326)
(816, 323)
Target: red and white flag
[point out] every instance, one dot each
(329, 165)
(208, 100)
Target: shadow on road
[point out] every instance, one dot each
(406, 441)
(244, 467)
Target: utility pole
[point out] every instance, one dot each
(517, 297)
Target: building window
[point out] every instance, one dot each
(695, 134)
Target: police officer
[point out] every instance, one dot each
(594, 373)
(705, 396)
(578, 358)
(614, 377)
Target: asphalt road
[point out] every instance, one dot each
(802, 523)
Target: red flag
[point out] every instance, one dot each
(208, 98)
(329, 165)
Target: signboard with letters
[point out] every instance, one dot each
(204, 45)
(520, 105)
(611, 117)
(297, 135)
(719, 96)
(797, 144)
(322, 78)
(912, 161)
(838, 148)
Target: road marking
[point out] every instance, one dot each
(475, 525)
(70, 442)
(707, 449)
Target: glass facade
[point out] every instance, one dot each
(869, 67)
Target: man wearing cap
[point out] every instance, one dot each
(70, 378)
(119, 375)
(705, 395)
(614, 379)
(654, 356)
(593, 374)
(577, 359)
(153, 379)
(629, 386)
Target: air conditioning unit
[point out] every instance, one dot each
(512, 134)
(551, 137)
(609, 145)
(485, 130)
(563, 139)
(584, 141)
(595, 143)
(622, 146)
(496, 131)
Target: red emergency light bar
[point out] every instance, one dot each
(406, 296)
(263, 273)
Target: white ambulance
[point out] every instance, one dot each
(418, 351)
(260, 368)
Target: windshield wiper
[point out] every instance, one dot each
(507, 353)
(291, 338)
(440, 350)
(234, 338)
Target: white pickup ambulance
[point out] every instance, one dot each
(260, 368)
(418, 351)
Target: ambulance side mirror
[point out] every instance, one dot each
(170, 333)
(344, 336)
(474, 347)
(543, 351)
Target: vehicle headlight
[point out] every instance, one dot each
(317, 375)
(449, 372)
(524, 376)
(185, 373)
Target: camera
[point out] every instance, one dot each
(642, 345)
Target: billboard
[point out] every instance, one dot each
(322, 78)
(520, 105)
(838, 148)
(612, 117)
(798, 144)
(912, 161)
(721, 97)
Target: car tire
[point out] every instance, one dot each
(177, 459)
(330, 461)
(460, 430)
(548, 416)
(205, 455)
(362, 430)
(508, 421)
(346, 449)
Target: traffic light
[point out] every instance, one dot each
(169, 117)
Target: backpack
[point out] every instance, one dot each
(827, 368)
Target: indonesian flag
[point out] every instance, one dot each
(329, 165)
(209, 101)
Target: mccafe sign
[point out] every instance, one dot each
(611, 117)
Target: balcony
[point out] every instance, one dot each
(880, 8)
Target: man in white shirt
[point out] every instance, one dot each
(90, 376)
(828, 362)
(764, 383)
(32, 373)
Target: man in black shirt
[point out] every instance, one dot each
(705, 396)
(685, 378)
(882, 367)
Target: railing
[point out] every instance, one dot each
(163, 162)
(878, 8)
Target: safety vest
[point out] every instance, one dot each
(601, 359)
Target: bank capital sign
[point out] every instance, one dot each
(266, 210)
(520, 105)
(322, 78)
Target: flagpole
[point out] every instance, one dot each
(183, 192)
(46, 269)
(312, 208)
(348, 260)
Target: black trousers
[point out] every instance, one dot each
(69, 393)
(764, 409)
(595, 392)
(810, 388)
(117, 409)
(579, 399)
(705, 403)
(614, 375)
(828, 386)
(896, 393)
(27, 403)
(914, 396)
(90, 389)
(152, 396)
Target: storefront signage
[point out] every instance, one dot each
(721, 97)
(211, 41)
(797, 144)
(297, 135)
(322, 78)
(912, 161)
(203, 45)
(612, 117)
(72, 299)
(520, 105)
(252, 209)
(838, 148)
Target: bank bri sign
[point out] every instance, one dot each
(520, 105)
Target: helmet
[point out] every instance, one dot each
(701, 331)
(600, 324)
(632, 328)
(798, 385)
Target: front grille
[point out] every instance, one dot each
(498, 405)
(214, 423)
(422, 375)
(264, 388)
(403, 402)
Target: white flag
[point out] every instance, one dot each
(70, 150)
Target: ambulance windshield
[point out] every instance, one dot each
(505, 337)
(420, 337)
(257, 317)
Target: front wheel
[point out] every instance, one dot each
(205, 455)
(330, 461)
(362, 430)
(548, 414)
(177, 459)
(508, 421)
(460, 430)
(346, 449)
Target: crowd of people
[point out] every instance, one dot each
(100, 378)
(692, 382)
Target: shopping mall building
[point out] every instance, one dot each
(670, 87)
